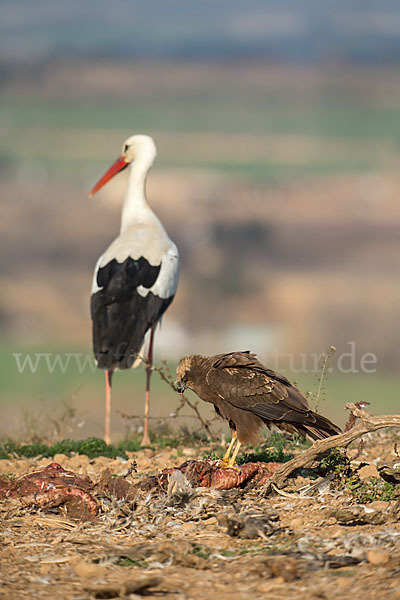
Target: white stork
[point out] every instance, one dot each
(135, 279)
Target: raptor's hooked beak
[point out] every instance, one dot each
(119, 165)
(179, 386)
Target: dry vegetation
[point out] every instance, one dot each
(313, 539)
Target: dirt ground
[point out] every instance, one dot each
(191, 543)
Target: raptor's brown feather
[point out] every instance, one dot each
(248, 395)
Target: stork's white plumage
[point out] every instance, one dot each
(135, 279)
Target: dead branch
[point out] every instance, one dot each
(165, 375)
(368, 423)
(351, 421)
(161, 419)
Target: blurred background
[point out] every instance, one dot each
(278, 135)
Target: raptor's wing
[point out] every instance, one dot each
(242, 381)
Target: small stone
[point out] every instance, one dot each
(344, 582)
(42, 462)
(44, 569)
(187, 526)
(88, 570)
(78, 462)
(211, 521)
(284, 569)
(300, 481)
(331, 521)
(378, 557)
(379, 505)
(334, 531)
(368, 471)
(60, 459)
(335, 552)
(266, 586)
(188, 452)
(296, 523)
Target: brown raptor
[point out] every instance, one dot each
(248, 394)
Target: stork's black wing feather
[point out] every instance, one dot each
(121, 316)
(120, 280)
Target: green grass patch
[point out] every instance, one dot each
(214, 454)
(125, 561)
(91, 447)
(202, 551)
(370, 490)
(94, 446)
(276, 448)
(273, 450)
(9, 476)
(346, 478)
(336, 462)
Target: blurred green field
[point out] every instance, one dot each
(197, 113)
(64, 135)
(44, 392)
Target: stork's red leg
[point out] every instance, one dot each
(149, 370)
(107, 437)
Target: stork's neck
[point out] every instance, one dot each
(135, 206)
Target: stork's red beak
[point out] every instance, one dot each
(115, 168)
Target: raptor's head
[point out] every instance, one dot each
(186, 372)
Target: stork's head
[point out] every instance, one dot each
(138, 148)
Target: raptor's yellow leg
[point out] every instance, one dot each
(232, 461)
(225, 459)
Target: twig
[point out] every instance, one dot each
(368, 423)
(165, 374)
(132, 469)
(286, 494)
(161, 418)
(359, 450)
(396, 451)
(161, 369)
(328, 354)
(202, 421)
(351, 421)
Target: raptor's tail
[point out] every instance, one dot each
(321, 428)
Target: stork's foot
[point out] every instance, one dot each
(145, 440)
